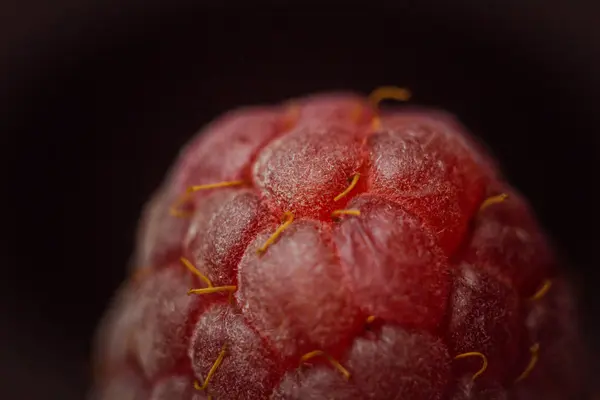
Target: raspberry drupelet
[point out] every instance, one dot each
(326, 248)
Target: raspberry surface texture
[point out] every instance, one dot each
(333, 248)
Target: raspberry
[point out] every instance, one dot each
(328, 248)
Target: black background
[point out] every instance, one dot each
(98, 98)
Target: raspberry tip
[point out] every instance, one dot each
(195, 271)
(140, 273)
(376, 124)
(337, 213)
(493, 200)
(199, 388)
(484, 362)
(386, 93)
(333, 361)
(389, 93)
(217, 185)
(532, 362)
(288, 219)
(212, 371)
(175, 208)
(210, 290)
(357, 113)
(541, 291)
(353, 183)
(291, 116)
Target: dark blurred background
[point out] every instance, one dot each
(97, 98)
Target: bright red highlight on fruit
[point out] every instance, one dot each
(330, 248)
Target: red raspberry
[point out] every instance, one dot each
(338, 251)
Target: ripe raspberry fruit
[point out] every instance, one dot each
(327, 249)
